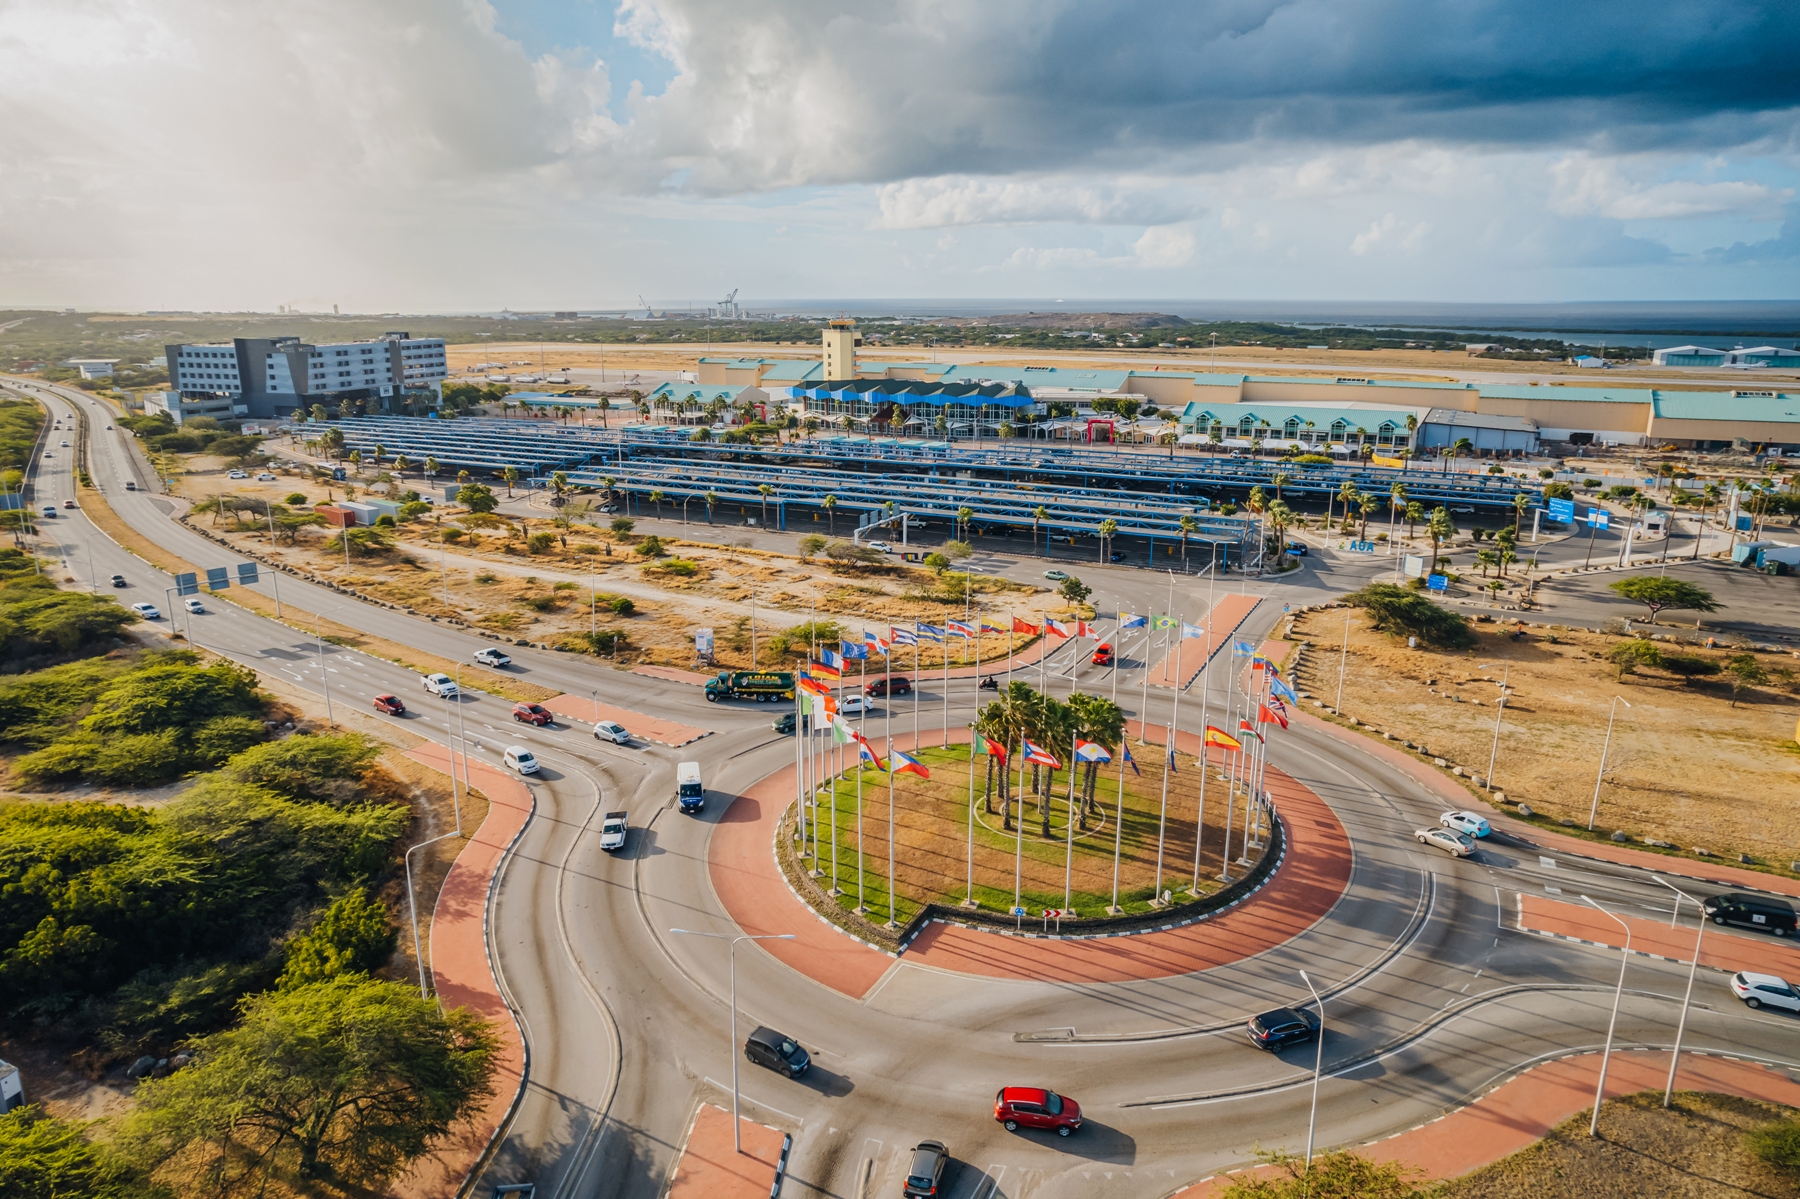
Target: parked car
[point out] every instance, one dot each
(147, 611)
(1115, 556)
(612, 730)
(1103, 655)
(854, 704)
(389, 704)
(1055, 576)
(1282, 1027)
(613, 827)
(492, 657)
(518, 758)
(119, 581)
(777, 1051)
(536, 714)
(237, 474)
(1297, 548)
(194, 605)
(1457, 845)
(897, 685)
(926, 1170)
(1763, 912)
(1035, 1107)
(1764, 990)
(265, 477)
(440, 684)
(1472, 824)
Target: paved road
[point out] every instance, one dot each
(1429, 996)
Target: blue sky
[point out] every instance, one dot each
(457, 155)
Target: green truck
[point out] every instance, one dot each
(763, 686)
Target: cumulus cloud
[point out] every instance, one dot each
(930, 203)
(1586, 186)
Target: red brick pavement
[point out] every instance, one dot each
(711, 1168)
(1718, 949)
(651, 728)
(1220, 624)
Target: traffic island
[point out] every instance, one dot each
(712, 1167)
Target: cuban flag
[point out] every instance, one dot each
(874, 644)
(1131, 620)
(961, 628)
(1280, 688)
(1059, 628)
(1042, 757)
(900, 763)
(903, 637)
(853, 650)
(930, 632)
(1090, 751)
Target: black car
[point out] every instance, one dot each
(118, 580)
(780, 1053)
(784, 723)
(1283, 1027)
(1763, 912)
(927, 1170)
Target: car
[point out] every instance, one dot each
(1055, 576)
(147, 611)
(48, 455)
(784, 723)
(612, 730)
(536, 714)
(776, 1051)
(265, 477)
(1457, 845)
(897, 685)
(1296, 548)
(194, 605)
(1115, 556)
(237, 474)
(1472, 824)
(49, 511)
(1763, 912)
(65, 445)
(613, 827)
(492, 657)
(69, 503)
(119, 581)
(1464, 510)
(1282, 1027)
(130, 486)
(518, 758)
(109, 428)
(926, 1170)
(1035, 1107)
(390, 704)
(609, 509)
(883, 546)
(1764, 990)
(440, 684)
(1103, 655)
(854, 703)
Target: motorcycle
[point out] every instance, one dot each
(989, 683)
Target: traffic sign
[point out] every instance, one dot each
(1056, 913)
(187, 583)
(1438, 582)
(1562, 511)
(1018, 911)
(1599, 518)
(246, 572)
(217, 578)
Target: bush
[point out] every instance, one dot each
(605, 641)
(1778, 1143)
(385, 521)
(810, 545)
(1629, 655)
(477, 498)
(540, 603)
(651, 547)
(354, 936)
(41, 1155)
(1690, 666)
(310, 769)
(297, 499)
(540, 543)
(1340, 1175)
(622, 606)
(364, 542)
(414, 509)
(1558, 491)
(679, 567)
(622, 525)
(1396, 611)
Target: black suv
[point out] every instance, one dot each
(926, 1171)
(1762, 912)
(1282, 1027)
(783, 1054)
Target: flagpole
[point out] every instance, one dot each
(1019, 833)
(1069, 851)
(1162, 821)
(969, 897)
(860, 894)
(946, 682)
(1144, 699)
(1118, 826)
(835, 775)
(890, 774)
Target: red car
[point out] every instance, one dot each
(536, 714)
(1103, 655)
(901, 685)
(390, 704)
(1034, 1107)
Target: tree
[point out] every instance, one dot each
(1281, 519)
(1520, 503)
(1660, 593)
(1074, 591)
(1040, 514)
(511, 475)
(1344, 1174)
(354, 936)
(401, 462)
(345, 1082)
(622, 526)
(1487, 558)
(42, 1156)
(1397, 611)
(1366, 504)
(477, 497)
(829, 503)
(1743, 670)
(1102, 721)
(1189, 526)
(656, 498)
(711, 497)
(765, 491)
(1108, 527)
(1628, 656)
(1440, 529)
(963, 516)
(810, 544)
(1415, 512)
(937, 564)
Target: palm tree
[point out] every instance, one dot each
(963, 516)
(559, 487)
(1189, 526)
(1281, 519)
(1487, 558)
(1366, 504)
(1441, 529)
(829, 503)
(431, 468)
(765, 490)
(356, 461)
(1040, 514)
(1415, 512)
(1520, 503)
(1347, 491)
(511, 475)
(1412, 427)
(605, 407)
(1099, 720)
(318, 413)
(1107, 529)
(656, 497)
(712, 497)
(1396, 505)
(380, 453)
(1280, 478)
(400, 465)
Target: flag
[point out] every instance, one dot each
(1274, 704)
(903, 637)
(853, 650)
(1218, 736)
(1271, 715)
(810, 685)
(1261, 663)
(1130, 620)
(1089, 751)
(1243, 648)
(866, 752)
(1058, 627)
(821, 670)
(900, 763)
(874, 643)
(1040, 756)
(993, 749)
(1192, 630)
(930, 632)
(1171, 756)
(1162, 622)
(1244, 726)
(961, 628)
(833, 660)
(1022, 626)
(841, 733)
(1084, 629)
(991, 628)
(1283, 690)
(1131, 761)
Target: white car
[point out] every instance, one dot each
(1764, 990)
(883, 546)
(518, 758)
(612, 730)
(440, 684)
(612, 831)
(1449, 840)
(193, 605)
(492, 657)
(854, 703)
(237, 474)
(50, 510)
(147, 611)
(64, 444)
(1470, 823)
(265, 477)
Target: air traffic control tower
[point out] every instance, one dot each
(841, 340)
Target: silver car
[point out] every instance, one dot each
(1457, 845)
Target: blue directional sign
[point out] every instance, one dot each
(1599, 518)
(1563, 511)
(218, 578)
(246, 572)
(187, 583)
(1438, 582)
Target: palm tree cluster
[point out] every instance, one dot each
(1023, 713)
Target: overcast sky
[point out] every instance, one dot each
(459, 155)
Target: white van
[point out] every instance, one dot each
(521, 759)
(690, 792)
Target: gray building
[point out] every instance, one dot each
(1489, 434)
(269, 378)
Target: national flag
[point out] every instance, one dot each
(1024, 626)
(1218, 736)
(1275, 704)
(994, 749)
(1193, 630)
(991, 628)
(961, 628)
(1090, 751)
(1261, 663)
(841, 733)
(1171, 759)
(1271, 715)
(853, 650)
(1131, 761)
(833, 660)
(1084, 629)
(1041, 756)
(903, 637)
(1245, 726)
(900, 763)
(807, 683)
(930, 632)
(1059, 628)
(1243, 648)
(874, 643)
(866, 753)
(1131, 620)
(1162, 622)
(1283, 690)
(823, 670)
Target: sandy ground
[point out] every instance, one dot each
(1685, 765)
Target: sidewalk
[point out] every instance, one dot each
(1719, 950)
(710, 1168)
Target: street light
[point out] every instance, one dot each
(1312, 1121)
(1500, 710)
(737, 1134)
(1693, 966)
(1604, 747)
(324, 678)
(1618, 992)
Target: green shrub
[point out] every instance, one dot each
(1395, 610)
(679, 567)
(314, 769)
(621, 605)
(565, 585)
(384, 521)
(297, 499)
(1778, 1143)
(540, 603)
(540, 543)
(651, 547)
(354, 936)
(42, 1156)
(487, 576)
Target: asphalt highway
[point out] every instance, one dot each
(1430, 995)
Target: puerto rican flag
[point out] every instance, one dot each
(1042, 757)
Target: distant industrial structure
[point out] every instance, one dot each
(1755, 356)
(262, 377)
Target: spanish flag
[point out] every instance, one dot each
(1218, 736)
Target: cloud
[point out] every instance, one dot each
(931, 203)
(1162, 247)
(1585, 186)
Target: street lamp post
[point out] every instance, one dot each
(1312, 1121)
(1693, 967)
(324, 679)
(1499, 711)
(1618, 992)
(737, 1134)
(1605, 746)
